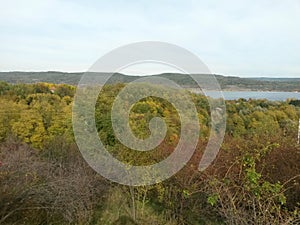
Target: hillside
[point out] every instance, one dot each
(226, 82)
(43, 174)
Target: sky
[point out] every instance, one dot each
(249, 38)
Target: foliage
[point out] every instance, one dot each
(44, 180)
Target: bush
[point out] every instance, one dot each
(35, 190)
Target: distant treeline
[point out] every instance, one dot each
(226, 82)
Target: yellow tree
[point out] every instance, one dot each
(29, 128)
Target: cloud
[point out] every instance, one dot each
(246, 38)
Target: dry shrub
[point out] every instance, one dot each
(245, 185)
(35, 190)
(283, 164)
(242, 186)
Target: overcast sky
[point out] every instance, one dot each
(232, 37)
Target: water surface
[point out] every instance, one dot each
(269, 95)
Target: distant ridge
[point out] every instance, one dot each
(279, 79)
(230, 83)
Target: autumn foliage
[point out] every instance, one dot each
(44, 179)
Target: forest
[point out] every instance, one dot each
(231, 83)
(44, 179)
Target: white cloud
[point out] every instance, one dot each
(232, 37)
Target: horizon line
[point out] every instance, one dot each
(155, 74)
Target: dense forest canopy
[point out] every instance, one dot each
(44, 180)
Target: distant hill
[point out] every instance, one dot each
(34, 77)
(281, 79)
(226, 82)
